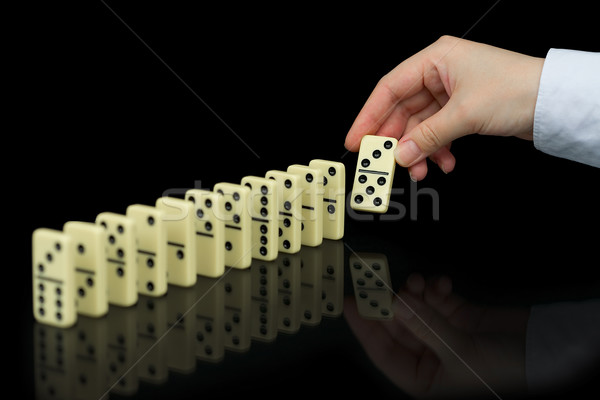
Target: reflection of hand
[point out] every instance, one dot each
(438, 344)
(450, 89)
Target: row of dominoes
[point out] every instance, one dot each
(88, 265)
(199, 323)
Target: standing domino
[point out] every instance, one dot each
(374, 174)
(209, 232)
(334, 197)
(152, 249)
(311, 182)
(90, 267)
(238, 235)
(121, 259)
(263, 211)
(290, 210)
(181, 257)
(53, 278)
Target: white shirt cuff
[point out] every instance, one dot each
(567, 111)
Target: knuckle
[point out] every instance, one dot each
(446, 39)
(430, 138)
(385, 85)
(446, 43)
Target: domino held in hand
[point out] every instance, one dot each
(374, 174)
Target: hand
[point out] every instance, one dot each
(441, 345)
(450, 89)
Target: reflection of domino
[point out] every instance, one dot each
(54, 370)
(332, 299)
(311, 289)
(90, 366)
(210, 319)
(288, 288)
(121, 349)
(151, 351)
(372, 285)
(237, 323)
(374, 174)
(264, 300)
(181, 339)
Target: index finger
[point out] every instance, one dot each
(401, 83)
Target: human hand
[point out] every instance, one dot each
(450, 89)
(441, 345)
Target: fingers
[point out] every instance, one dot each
(394, 350)
(376, 336)
(430, 136)
(438, 295)
(374, 113)
(429, 326)
(418, 171)
(402, 83)
(383, 349)
(436, 292)
(415, 284)
(413, 104)
(444, 159)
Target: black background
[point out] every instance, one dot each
(99, 120)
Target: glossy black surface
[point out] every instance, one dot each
(120, 109)
(199, 341)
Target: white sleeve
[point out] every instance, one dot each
(567, 111)
(562, 344)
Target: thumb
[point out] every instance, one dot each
(430, 327)
(430, 135)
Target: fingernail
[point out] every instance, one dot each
(412, 178)
(407, 152)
